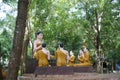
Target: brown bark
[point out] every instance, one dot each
(15, 56)
(24, 53)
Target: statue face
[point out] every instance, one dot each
(40, 36)
(81, 52)
(71, 53)
(85, 50)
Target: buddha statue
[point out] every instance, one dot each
(71, 59)
(42, 56)
(61, 56)
(84, 57)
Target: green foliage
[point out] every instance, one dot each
(9, 1)
(63, 26)
(7, 25)
(5, 41)
(110, 31)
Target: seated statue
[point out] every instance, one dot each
(84, 57)
(71, 59)
(81, 57)
(61, 56)
(87, 56)
(42, 56)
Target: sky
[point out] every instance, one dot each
(6, 9)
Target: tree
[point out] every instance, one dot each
(102, 17)
(15, 56)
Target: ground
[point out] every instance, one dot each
(75, 76)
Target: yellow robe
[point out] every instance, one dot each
(39, 44)
(81, 59)
(84, 61)
(72, 60)
(87, 58)
(61, 58)
(42, 58)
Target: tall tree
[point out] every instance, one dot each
(15, 56)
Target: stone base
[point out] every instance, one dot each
(83, 69)
(63, 70)
(31, 66)
(54, 70)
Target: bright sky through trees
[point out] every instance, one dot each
(6, 9)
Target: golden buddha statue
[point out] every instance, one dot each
(84, 57)
(61, 56)
(42, 56)
(81, 57)
(87, 61)
(71, 59)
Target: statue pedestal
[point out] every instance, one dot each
(31, 66)
(83, 69)
(56, 70)
(62, 70)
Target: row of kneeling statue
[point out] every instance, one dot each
(62, 57)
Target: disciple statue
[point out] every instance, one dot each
(61, 56)
(81, 57)
(71, 59)
(84, 57)
(87, 56)
(42, 56)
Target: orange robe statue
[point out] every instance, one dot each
(71, 59)
(42, 58)
(61, 58)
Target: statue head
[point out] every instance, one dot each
(71, 53)
(80, 52)
(39, 35)
(43, 45)
(61, 45)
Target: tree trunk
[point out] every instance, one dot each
(98, 43)
(15, 56)
(24, 52)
